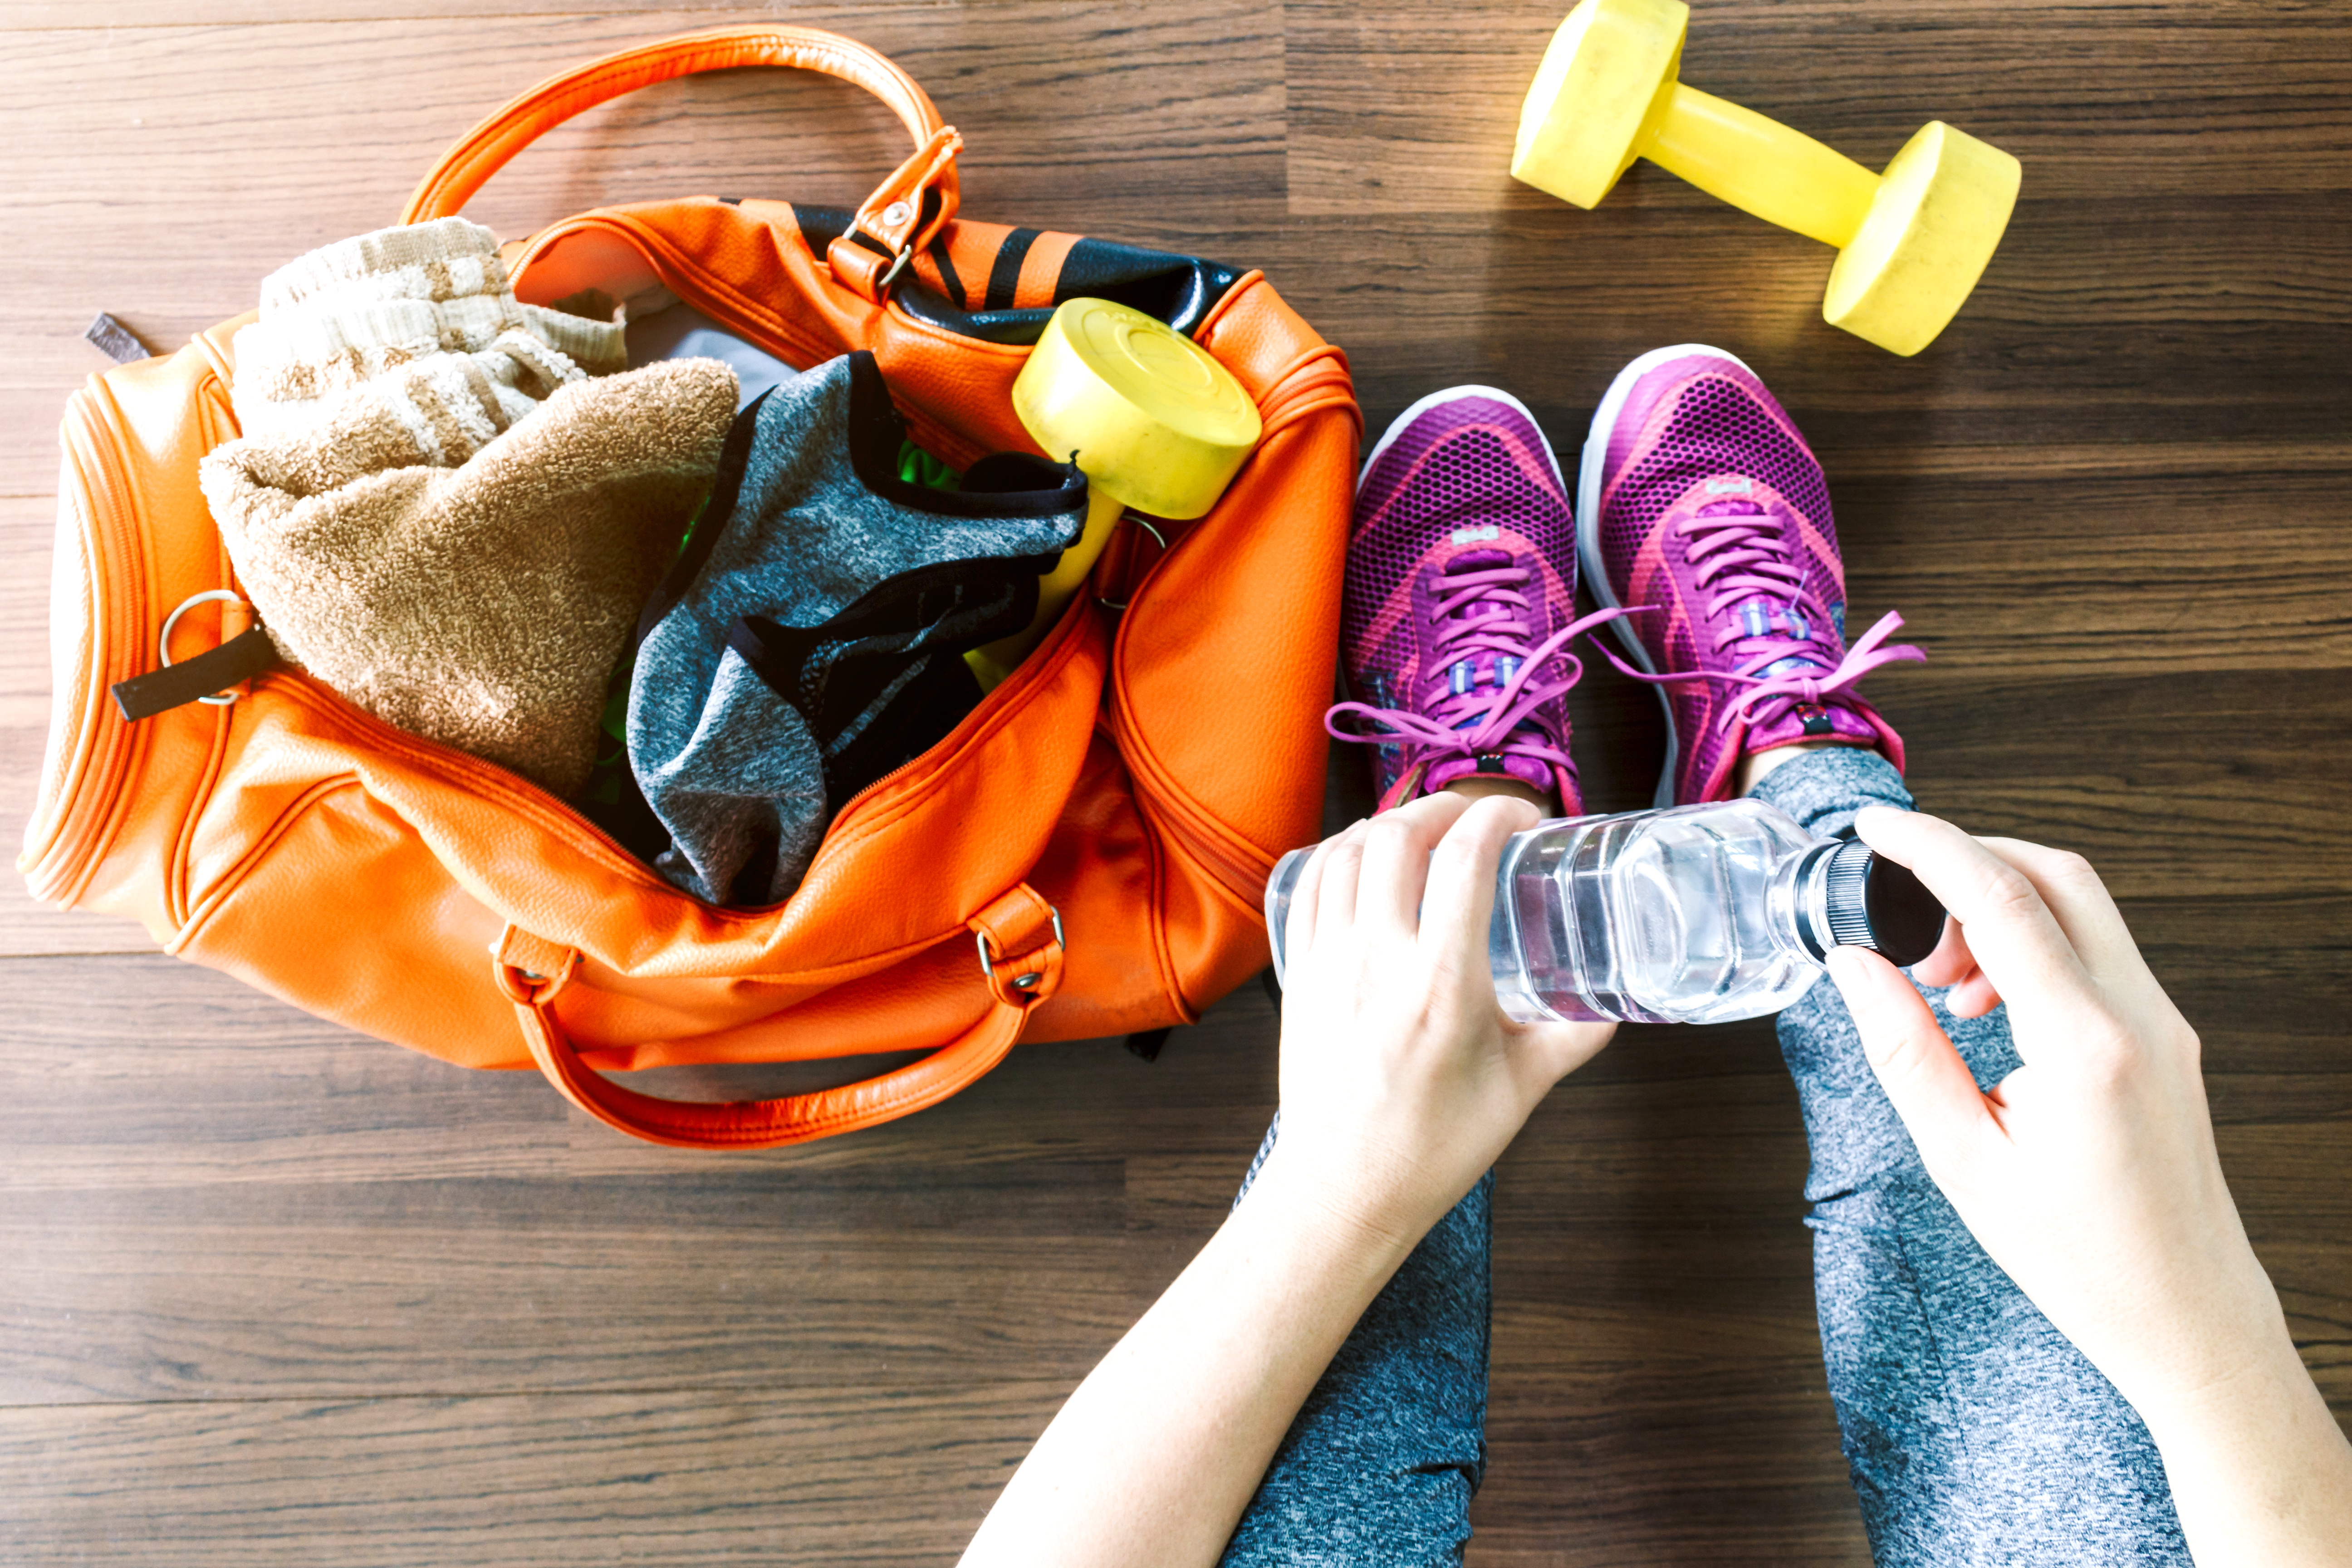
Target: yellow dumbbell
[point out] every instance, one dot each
(1154, 423)
(1911, 242)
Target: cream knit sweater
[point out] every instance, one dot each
(336, 319)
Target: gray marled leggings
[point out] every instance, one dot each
(1976, 1434)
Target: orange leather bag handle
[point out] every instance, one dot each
(900, 218)
(1020, 943)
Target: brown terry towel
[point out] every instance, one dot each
(469, 577)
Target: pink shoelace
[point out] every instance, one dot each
(1483, 612)
(1744, 555)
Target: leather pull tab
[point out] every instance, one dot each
(117, 341)
(216, 670)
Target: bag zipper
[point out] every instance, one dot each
(1240, 867)
(104, 746)
(1241, 870)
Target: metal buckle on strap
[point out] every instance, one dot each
(883, 284)
(1020, 982)
(172, 621)
(1157, 537)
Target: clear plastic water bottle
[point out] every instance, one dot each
(1698, 914)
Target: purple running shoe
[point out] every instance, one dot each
(1702, 510)
(1460, 602)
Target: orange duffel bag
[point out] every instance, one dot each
(1082, 857)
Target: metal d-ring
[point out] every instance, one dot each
(1157, 537)
(1020, 982)
(164, 641)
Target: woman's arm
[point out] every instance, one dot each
(2090, 1176)
(1154, 1458)
(1401, 1083)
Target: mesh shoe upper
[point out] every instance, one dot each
(1460, 601)
(1709, 515)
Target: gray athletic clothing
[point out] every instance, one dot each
(1976, 1434)
(810, 639)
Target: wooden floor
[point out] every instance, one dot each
(273, 1294)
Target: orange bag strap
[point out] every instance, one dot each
(1020, 953)
(899, 218)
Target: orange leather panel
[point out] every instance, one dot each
(1041, 268)
(1136, 776)
(972, 247)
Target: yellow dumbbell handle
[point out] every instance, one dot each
(1759, 166)
(994, 662)
(1147, 414)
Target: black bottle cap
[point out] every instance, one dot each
(1875, 903)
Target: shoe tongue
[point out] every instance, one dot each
(1765, 614)
(1478, 561)
(1532, 772)
(1814, 655)
(1831, 720)
(1485, 670)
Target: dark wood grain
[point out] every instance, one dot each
(272, 1293)
(686, 1476)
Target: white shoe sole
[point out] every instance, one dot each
(1588, 529)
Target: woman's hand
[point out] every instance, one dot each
(2090, 1176)
(2090, 1173)
(1402, 1080)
